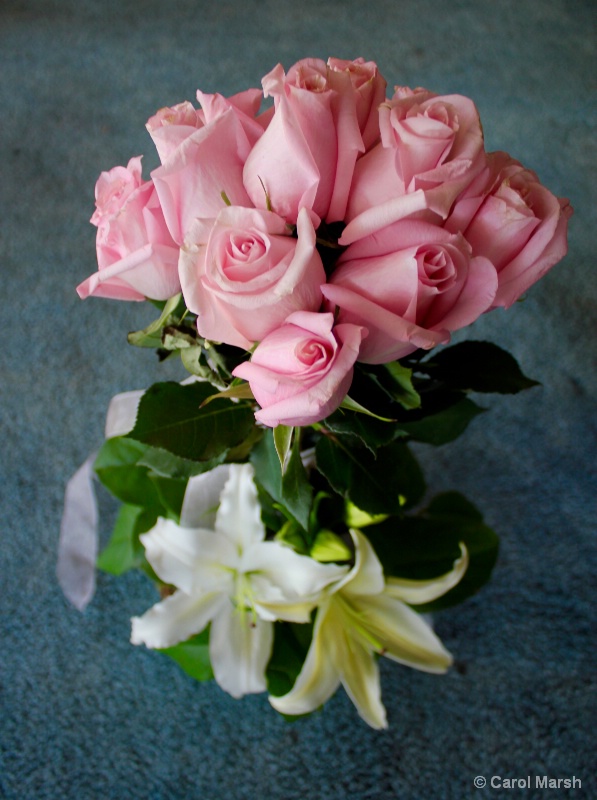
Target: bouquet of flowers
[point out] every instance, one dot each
(306, 258)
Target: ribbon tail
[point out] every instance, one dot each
(78, 543)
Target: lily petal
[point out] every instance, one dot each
(239, 514)
(298, 576)
(175, 619)
(240, 646)
(360, 678)
(366, 577)
(424, 591)
(319, 677)
(202, 497)
(188, 558)
(403, 634)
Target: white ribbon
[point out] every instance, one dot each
(77, 546)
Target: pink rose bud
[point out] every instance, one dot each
(202, 168)
(409, 284)
(306, 157)
(370, 92)
(431, 149)
(243, 273)
(301, 372)
(136, 255)
(515, 222)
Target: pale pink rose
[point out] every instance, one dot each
(114, 187)
(509, 217)
(301, 372)
(243, 274)
(306, 157)
(410, 285)
(170, 126)
(136, 255)
(370, 92)
(202, 168)
(431, 149)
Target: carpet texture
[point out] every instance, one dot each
(85, 715)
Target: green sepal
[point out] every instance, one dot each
(384, 483)
(124, 551)
(192, 656)
(171, 416)
(478, 367)
(357, 518)
(173, 311)
(328, 546)
(292, 535)
(426, 546)
(351, 405)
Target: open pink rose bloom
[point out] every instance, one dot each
(330, 226)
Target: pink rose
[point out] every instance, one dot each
(369, 93)
(243, 273)
(306, 157)
(202, 168)
(136, 255)
(431, 149)
(409, 284)
(170, 126)
(511, 219)
(302, 371)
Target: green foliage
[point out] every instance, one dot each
(172, 416)
(445, 426)
(382, 483)
(193, 656)
(291, 490)
(426, 546)
(173, 312)
(478, 367)
(124, 550)
(291, 643)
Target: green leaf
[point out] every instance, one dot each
(171, 416)
(378, 484)
(291, 490)
(171, 494)
(447, 425)
(117, 466)
(124, 550)
(426, 546)
(283, 444)
(479, 367)
(173, 311)
(168, 465)
(291, 643)
(366, 430)
(192, 656)
(402, 386)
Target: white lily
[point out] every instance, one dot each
(363, 615)
(227, 575)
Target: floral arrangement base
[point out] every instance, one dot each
(309, 260)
